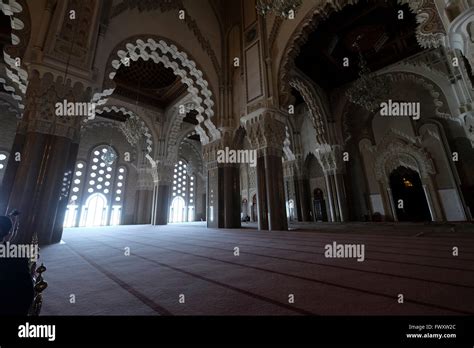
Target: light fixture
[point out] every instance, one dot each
(281, 8)
(370, 90)
(109, 156)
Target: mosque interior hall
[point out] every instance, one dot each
(241, 157)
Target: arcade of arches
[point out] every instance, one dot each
(169, 92)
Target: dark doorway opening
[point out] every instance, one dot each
(409, 196)
(319, 206)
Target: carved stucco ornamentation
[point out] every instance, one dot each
(330, 158)
(40, 113)
(131, 138)
(266, 131)
(171, 57)
(17, 77)
(397, 153)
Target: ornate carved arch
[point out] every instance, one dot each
(21, 30)
(172, 57)
(399, 154)
(131, 138)
(317, 104)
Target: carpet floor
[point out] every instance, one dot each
(187, 269)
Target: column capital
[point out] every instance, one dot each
(55, 107)
(330, 158)
(266, 129)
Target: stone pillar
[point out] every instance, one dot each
(303, 195)
(341, 196)
(223, 185)
(231, 176)
(332, 214)
(330, 158)
(277, 219)
(262, 207)
(10, 172)
(46, 155)
(143, 206)
(393, 208)
(64, 196)
(161, 195)
(161, 204)
(266, 131)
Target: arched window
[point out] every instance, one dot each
(101, 177)
(184, 188)
(95, 210)
(3, 164)
(177, 211)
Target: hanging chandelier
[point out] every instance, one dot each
(108, 156)
(281, 8)
(370, 90)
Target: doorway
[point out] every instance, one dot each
(409, 196)
(319, 206)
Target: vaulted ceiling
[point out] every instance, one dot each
(384, 39)
(150, 83)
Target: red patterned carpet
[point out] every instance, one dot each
(166, 262)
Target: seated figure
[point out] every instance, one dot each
(16, 283)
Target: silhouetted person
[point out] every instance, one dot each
(16, 283)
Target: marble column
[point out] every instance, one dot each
(161, 196)
(143, 206)
(10, 172)
(332, 214)
(231, 177)
(303, 195)
(277, 219)
(262, 207)
(393, 208)
(47, 152)
(64, 196)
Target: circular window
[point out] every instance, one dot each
(121, 170)
(75, 189)
(95, 160)
(97, 153)
(93, 175)
(94, 167)
(77, 181)
(80, 165)
(90, 190)
(74, 198)
(92, 182)
(119, 184)
(78, 173)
